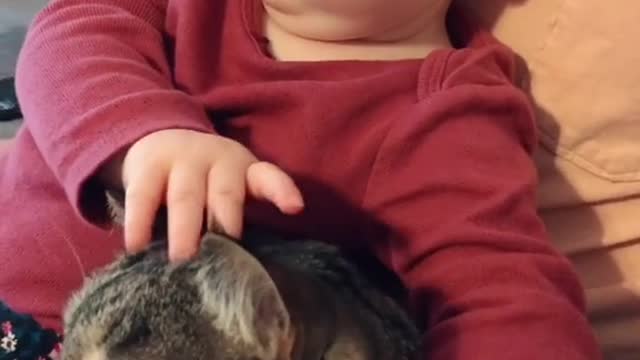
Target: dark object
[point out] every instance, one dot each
(22, 338)
(9, 107)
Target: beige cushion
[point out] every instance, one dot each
(585, 71)
(585, 78)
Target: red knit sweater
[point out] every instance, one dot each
(425, 163)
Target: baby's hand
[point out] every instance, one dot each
(194, 171)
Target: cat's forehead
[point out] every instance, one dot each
(207, 344)
(142, 304)
(158, 329)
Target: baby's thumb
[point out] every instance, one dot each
(265, 181)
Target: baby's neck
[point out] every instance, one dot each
(321, 36)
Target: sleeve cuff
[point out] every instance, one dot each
(111, 134)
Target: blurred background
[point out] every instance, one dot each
(15, 16)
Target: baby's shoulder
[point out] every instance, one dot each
(478, 58)
(488, 65)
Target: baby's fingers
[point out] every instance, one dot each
(225, 198)
(268, 182)
(143, 196)
(186, 193)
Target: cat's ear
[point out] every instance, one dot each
(115, 204)
(241, 298)
(116, 208)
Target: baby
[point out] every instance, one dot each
(391, 128)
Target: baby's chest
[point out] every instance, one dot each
(326, 136)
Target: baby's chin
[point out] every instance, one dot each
(352, 20)
(319, 27)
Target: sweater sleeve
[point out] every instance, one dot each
(93, 77)
(456, 193)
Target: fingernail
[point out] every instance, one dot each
(178, 259)
(133, 249)
(294, 205)
(297, 201)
